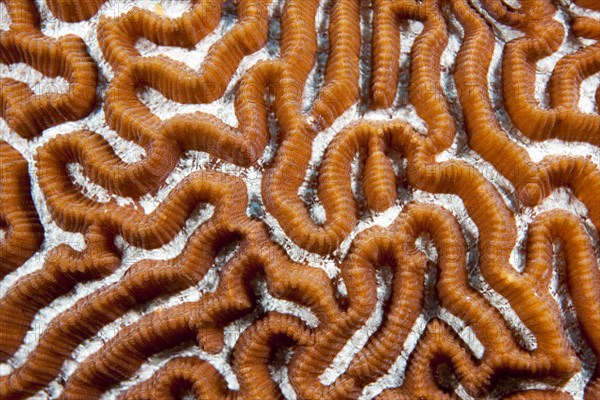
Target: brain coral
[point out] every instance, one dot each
(301, 199)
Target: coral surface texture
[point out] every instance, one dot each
(300, 199)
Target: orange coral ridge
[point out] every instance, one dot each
(256, 256)
(25, 112)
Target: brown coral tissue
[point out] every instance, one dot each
(300, 199)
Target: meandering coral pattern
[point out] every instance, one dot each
(362, 207)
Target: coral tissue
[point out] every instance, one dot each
(383, 171)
